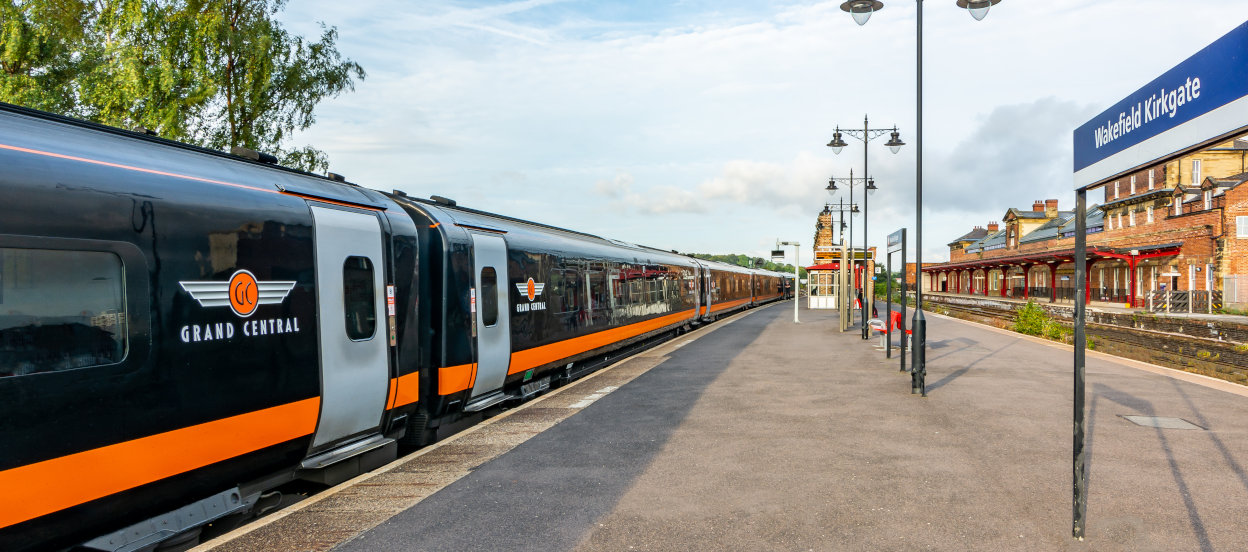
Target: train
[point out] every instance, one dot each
(183, 330)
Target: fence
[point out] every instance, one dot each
(1235, 290)
(1185, 301)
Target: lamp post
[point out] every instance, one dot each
(778, 255)
(865, 135)
(861, 11)
(869, 185)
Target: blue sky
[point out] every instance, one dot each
(700, 126)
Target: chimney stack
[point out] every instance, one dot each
(993, 227)
(1050, 208)
(1038, 206)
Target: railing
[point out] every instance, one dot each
(1039, 292)
(1112, 295)
(1185, 301)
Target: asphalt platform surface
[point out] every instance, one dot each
(762, 434)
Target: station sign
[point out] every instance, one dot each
(1201, 99)
(896, 240)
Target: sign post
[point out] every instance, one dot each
(897, 242)
(1198, 102)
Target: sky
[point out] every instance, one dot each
(700, 126)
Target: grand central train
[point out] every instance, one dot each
(182, 330)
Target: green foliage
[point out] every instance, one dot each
(1091, 343)
(1054, 330)
(1032, 319)
(216, 73)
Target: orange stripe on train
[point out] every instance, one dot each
(53, 485)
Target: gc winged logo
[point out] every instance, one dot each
(243, 293)
(530, 289)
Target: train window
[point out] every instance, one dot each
(489, 296)
(359, 298)
(60, 310)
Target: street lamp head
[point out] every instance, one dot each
(832, 186)
(978, 8)
(861, 10)
(853, 209)
(871, 185)
(894, 143)
(837, 143)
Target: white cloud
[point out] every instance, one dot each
(716, 121)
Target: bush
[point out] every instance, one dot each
(1032, 320)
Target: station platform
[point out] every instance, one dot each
(756, 433)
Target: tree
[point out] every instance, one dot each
(37, 52)
(216, 73)
(269, 81)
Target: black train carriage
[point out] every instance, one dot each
(524, 305)
(182, 328)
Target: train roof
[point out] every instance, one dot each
(40, 132)
(447, 210)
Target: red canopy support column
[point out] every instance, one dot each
(1087, 283)
(1027, 281)
(1131, 262)
(1004, 281)
(1053, 282)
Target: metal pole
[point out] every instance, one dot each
(866, 311)
(902, 324)
(842, 292)
(797, 278)
(852, 258)
(888, 305)
(1079, 515)
(919, 365)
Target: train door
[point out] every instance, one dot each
(355, 374)
(489, 254)
(708, 294)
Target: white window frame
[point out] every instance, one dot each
(1109, 222)
(1150, 214)
(1116, 194)
(1178, 205)
(1191, 277)
(1196, 172)
(1241, 227)
(1151, 179)
(1131, 217)
(1133, 184)
(1208, 199)
(1120, 220)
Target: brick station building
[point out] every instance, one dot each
(1182, 224)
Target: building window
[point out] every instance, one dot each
(1109, 223)
(1241, 228)
(1131, 217)
(62, 310)
(1115, 189)
(1133, 184)
(1150, 214)
(1119, 219)
(1196, 172)
(1151, 179)
(1178, 205)
(1208, 199)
